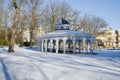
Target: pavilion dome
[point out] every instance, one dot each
(62, 24)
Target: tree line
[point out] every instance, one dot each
(18, 15)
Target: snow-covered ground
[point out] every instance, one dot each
(28, 64)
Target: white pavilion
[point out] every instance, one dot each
(64, 40)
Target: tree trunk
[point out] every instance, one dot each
(6, 32)
(53, 23)
(31, 37)
(12, 40)
(32, 27)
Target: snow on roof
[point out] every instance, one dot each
(64, 33)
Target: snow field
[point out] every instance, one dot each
(28, 64)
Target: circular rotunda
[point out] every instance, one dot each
(64, 40)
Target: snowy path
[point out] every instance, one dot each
(26, 64)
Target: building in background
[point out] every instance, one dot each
(37, 32)
(110, 38)
(119, 38)
(26, 35)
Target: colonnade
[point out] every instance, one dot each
(65, 45)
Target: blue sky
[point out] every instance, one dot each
(108, 10)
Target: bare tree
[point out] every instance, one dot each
(17, 7)
(5, 22)
(22, 26)
(74, 19)
(53, 14)
(1, 14)
(34, 14)
(85, 24)
(65, 10)
(97, 24)
(92, 24)
(54, 11)
(4, 12)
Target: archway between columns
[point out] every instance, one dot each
(60, 46)
(69, 46)
(48, 45)
(78, 46)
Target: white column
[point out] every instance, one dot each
(51, 45)
(88, 47)
(64, 46)
(84, 40)
(74, 44)
(46, 45)
(91, 46)
(42, 44)
(56, 45)
(79, 46)
(39, 45)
